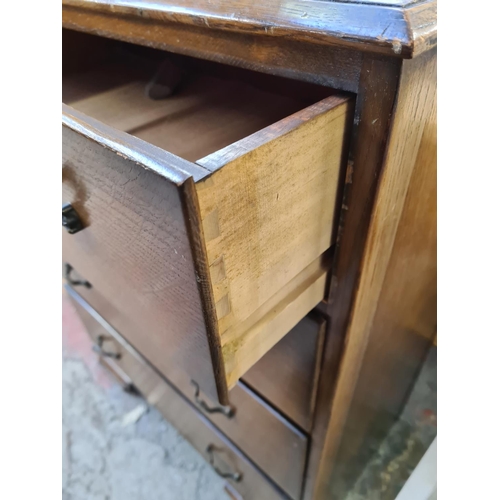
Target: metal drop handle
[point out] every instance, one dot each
(98, 348)
(234, 476)
(70, 219)
(72, 281)
(228, 411)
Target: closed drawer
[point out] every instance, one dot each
(218, 258)
(274, 444)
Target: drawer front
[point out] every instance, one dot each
(135, 246)
(287, 375)
(275, 445)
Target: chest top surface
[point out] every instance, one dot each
(401, 28)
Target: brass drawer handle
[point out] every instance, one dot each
(70, 219)
(98, 348)
(234, 476)
(73, 282)
(228, 411)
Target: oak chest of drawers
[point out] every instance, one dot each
(249, 221)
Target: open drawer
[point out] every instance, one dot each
(205, 218)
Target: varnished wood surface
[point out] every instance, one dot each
(152, 158)
(287, 375)
(89, 184)
(396, 292)
(275, 446)
(201, 433)
(133, 210)
(403, 30)
(286, 58)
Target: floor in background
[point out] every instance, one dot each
(407, 442)
(111, 449)
(115, 447)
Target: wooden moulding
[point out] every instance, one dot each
(400, 29)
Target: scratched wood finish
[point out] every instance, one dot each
(369, 26)
(136, 246)
(264, 436)
(397, 268)
(158, 392)
(287, 375)
(404, 321)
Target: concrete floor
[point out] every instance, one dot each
(397, 456)
(108, 452)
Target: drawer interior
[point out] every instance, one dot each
(245, 201)
(211, 107)
(204, 115)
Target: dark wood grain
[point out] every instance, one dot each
(364, 26)
(135, 246)
(275, 445)
(287, 375)
(152, 158)
(318, 64)
(267, 439)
